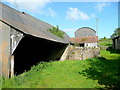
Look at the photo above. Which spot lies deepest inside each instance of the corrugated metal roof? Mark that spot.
(28, 24)
(92, 39)
(115, 37)
(85, 28)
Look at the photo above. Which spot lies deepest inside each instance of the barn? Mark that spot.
(85, 41)
(85, 37)
(25, 41)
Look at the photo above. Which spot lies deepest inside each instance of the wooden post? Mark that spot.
(12, 66)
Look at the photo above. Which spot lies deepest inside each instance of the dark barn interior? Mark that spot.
(32, 50)
(82, 44)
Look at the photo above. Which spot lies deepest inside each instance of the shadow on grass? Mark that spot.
(105, 71)
(113, 50)
(109, 45)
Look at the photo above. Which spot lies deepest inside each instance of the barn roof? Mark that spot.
(86, 27)
(115, 37)
(92, 39)
(28, 24)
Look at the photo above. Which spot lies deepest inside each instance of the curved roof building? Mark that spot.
(85, 32)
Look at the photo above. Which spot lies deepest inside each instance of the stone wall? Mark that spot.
(81, 53)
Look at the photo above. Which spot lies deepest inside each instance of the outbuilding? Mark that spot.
(116, 42)
(85, 41)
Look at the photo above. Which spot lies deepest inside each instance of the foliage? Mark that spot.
(83, 40)
(116, 32)
(56, 31)
(104, 38)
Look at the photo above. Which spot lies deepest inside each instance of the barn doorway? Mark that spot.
(82, 44)
(32, 50)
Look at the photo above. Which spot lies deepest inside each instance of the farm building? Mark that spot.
(85, 41)
(116, 42)
(85, 32)
(85, 37)
(25, 41)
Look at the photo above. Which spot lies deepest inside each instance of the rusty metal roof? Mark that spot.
(28, 24)
(92, 39)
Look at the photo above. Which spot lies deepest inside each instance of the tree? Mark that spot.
(104, 37)
(116, 32)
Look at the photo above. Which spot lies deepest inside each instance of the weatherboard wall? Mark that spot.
(5, 49)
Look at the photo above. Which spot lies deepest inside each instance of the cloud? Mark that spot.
(51, 12)
(66, 0)
(26, 0)
(93, 15)
(100, 6)
(32, 6)
(76, 14)
(28, 5)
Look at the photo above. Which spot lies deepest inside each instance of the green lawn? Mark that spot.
(91, 73)
(105, 42)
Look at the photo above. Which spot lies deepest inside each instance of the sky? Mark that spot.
(70, 16)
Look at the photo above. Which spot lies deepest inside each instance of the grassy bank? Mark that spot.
(91, 73)
(105, 42)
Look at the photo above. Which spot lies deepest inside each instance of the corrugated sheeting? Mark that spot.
(92, 39)
(87, 28)
(28, 24)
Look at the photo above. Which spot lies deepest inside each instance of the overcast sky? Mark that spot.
(70, 16)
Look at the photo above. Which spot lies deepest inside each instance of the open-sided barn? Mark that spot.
(24, 41)
(116, 42)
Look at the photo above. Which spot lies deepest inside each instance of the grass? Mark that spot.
(102, 72)
(105, 42)
(91, 73)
